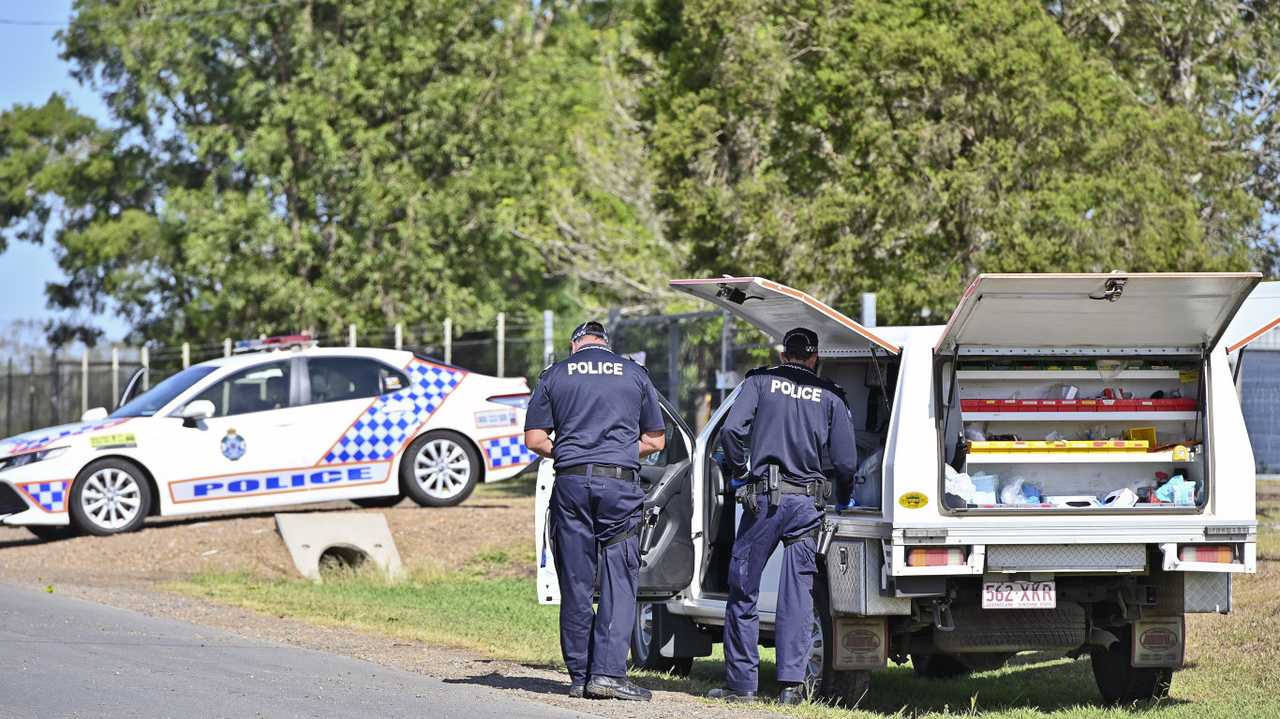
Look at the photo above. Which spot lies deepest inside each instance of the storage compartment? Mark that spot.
(1075, 433)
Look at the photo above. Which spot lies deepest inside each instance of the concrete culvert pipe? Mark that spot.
(341, 558)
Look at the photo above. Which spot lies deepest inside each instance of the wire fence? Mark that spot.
(695, 359)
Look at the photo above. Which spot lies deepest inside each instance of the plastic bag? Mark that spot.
(1177, 491)
(960, 485)
(973, 434)
(1019, 491)
(1121, 498)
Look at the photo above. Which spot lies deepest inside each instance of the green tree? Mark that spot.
(903, 147)
(312, 163)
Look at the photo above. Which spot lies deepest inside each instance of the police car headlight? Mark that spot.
(22, 460)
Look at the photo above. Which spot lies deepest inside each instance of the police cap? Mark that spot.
(590, 327)
(800, 343)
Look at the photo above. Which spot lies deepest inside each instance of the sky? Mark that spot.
(33, 72)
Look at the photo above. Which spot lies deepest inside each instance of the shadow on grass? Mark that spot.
(1035, 682)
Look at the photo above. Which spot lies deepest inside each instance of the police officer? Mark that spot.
(604, 412)
(785, 419)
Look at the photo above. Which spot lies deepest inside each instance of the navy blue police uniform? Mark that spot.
(785, 419)
(598, 404)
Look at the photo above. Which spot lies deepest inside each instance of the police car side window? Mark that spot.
(254, 389)
(334, 379)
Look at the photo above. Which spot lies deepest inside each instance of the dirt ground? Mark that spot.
(170, 549)
(128, 570)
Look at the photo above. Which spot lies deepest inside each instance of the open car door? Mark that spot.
(666, 536)
(1184, 313)
(774, 308)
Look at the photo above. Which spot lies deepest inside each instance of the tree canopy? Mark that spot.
(275, 167)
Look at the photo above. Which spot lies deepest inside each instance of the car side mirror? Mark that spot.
(197, 410)
(95, 414)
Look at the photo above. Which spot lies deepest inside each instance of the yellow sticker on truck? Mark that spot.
(913, 500)
(113, 441)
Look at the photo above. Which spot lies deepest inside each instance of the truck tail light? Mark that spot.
(1212, 553)
(936, 557)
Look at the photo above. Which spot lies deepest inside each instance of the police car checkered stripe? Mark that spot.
(30, 444)
(49, 496)
(508, 452)
(382, 430)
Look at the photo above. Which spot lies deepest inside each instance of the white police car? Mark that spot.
(284, 423)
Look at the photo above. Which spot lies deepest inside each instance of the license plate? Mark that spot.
(1019, 595)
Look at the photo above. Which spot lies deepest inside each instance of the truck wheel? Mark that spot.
(846, 688)
(645, 644)
(110, 496)
(440, 469)
(1120, 683)
(938, 666)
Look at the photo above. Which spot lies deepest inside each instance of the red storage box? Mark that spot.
(1068, 405)
(1028, 405)
(1109, 405)
(970, 405)
(1088, 405)
(1049, 405)
(1146, 405)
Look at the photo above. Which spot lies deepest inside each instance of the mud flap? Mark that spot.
(1159, 642)
(861, 643)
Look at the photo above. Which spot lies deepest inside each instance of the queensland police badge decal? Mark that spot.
(233, 445)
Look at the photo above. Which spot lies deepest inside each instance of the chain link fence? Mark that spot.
(693, 358)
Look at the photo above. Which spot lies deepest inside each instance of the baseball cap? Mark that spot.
(800, 342)
(590, 327)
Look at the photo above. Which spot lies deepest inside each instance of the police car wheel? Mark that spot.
(110, 496)
(440, 469)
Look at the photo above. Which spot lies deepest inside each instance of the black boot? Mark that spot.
(616, 688)
(792, 694)
(732, 696)
(575, 690)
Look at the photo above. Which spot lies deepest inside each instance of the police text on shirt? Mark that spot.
(611, 368)
(813, 394)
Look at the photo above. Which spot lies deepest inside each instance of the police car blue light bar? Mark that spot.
(273, 343)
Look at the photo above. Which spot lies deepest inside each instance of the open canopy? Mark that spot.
(1259, 314)
(1171, 311)
(775, 308)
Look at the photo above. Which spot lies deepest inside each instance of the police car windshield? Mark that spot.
(150, 402)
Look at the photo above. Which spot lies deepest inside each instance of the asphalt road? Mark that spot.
(64, 657)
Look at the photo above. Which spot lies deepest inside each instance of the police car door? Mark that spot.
(666, 560)
(237, 458)
(772, 308)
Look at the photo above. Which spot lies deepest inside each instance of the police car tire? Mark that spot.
(1122, 684)
(81, 521)
(410, 485)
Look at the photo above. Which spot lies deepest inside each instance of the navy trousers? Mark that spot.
(759, 535)
(586, 513)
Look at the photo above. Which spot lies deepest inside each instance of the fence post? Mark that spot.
(726, 351)
(31, 396)
(399, 336)
(146, 368)
(548, 332)
(502, 344)
(8, 401)
(186, 355)
(226, 346)
(448, 340)
(84, 381)
(115, 373)
(868, 309)
(673, 364)
(351, 335)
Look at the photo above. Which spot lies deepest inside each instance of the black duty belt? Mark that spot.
(807, 489)
(599, 470)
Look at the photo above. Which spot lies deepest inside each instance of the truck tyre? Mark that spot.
(440, 469)
(843, 688)
(645, 644)
(938, 666)
(1120, 683)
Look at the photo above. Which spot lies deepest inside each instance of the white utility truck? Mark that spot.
(1062, 467)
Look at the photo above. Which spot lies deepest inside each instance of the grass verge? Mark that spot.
(1232, 672)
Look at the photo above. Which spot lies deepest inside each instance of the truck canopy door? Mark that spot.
(774, 308)
(1259, 314)
(1184, 313)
